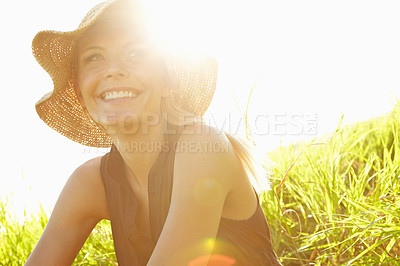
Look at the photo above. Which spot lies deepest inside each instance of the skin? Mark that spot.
(205, 184)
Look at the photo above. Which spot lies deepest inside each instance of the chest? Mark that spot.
(142, 217)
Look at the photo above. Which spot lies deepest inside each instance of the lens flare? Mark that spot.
(213, 260)
(220, 248)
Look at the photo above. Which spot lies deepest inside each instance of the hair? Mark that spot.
(251, 162)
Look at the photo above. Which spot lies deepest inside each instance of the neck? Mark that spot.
(139, 152)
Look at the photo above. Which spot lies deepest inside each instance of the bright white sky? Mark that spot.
(315, 60)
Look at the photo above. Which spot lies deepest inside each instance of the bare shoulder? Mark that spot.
(88, 174)
(87, 185)
(204, 139)
(80, 206)
(206, 155)
(202, 147)
(89, 171)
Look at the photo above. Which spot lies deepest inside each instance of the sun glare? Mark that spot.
(230, 31)
(207, 26)
(184, 24)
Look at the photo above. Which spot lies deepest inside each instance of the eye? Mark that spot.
(132, 54)
(136, 54)
(93, 57)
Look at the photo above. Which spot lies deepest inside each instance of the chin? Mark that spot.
(129, 123)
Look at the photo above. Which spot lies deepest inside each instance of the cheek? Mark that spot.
(87, 76)
(85, 84)
(159, 79)
(84, 91)
(151, 71)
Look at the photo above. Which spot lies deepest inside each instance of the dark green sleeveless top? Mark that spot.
(247, 242)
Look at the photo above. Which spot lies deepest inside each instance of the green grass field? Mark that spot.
(334, 201)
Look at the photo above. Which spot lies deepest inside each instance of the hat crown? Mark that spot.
(91, 15)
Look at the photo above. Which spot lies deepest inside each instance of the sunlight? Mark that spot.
(317, 61)
(232, 32)
(213, 260)
(217, 28)
(218, 247)
(182, 24)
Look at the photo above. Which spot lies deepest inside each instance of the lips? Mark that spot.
(120, 93)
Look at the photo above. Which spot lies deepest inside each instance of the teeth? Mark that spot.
(119, 94)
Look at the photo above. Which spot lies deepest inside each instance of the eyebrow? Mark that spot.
(93, 47)
(137, 43)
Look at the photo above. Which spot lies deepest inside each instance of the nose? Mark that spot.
(115, 71)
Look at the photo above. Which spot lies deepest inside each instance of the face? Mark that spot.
(121, 79)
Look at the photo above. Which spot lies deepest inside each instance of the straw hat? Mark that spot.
(193, 81)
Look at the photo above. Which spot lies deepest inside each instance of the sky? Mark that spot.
(308, 62)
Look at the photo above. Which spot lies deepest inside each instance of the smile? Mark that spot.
(111, 95)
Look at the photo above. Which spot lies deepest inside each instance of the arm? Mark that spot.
(80, 206)
(201, 182)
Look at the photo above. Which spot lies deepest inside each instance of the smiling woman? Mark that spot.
(114, 86)
(120, 73)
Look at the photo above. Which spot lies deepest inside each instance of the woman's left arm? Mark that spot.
(203, 177)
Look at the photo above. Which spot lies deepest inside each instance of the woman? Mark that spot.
(164, 185)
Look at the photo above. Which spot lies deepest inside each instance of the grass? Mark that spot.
(17, 239)
(334, 201)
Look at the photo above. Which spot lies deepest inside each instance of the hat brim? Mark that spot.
(194, 82)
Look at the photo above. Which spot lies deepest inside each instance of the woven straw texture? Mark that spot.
(193, 80)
